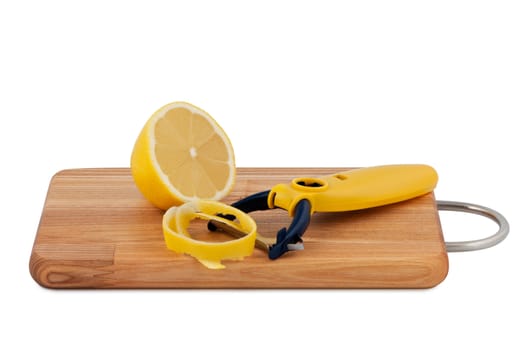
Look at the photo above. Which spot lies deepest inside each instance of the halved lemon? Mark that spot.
(182, 154)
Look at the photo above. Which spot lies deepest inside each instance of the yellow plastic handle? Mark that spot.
(356, 189)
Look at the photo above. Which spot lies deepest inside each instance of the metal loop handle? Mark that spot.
(478, 244)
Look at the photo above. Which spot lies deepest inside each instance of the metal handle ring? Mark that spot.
(478, 244)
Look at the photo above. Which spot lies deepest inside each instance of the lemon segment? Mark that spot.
(182, 154)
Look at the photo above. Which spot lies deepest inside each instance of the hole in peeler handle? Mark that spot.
(309, 184)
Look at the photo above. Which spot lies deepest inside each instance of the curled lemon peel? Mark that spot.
(177, 238)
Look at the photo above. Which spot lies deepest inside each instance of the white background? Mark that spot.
(293, 84)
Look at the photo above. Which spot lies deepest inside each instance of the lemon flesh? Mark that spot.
(182, 154)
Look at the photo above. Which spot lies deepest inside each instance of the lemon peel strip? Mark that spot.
(210, 254)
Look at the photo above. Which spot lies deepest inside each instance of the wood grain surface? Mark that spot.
(97, 231)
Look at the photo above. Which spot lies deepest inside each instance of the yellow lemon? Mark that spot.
(182, 154)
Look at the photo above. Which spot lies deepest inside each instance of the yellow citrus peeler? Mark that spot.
(344, 191)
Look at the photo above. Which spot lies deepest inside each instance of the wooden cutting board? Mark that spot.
(97, 231)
